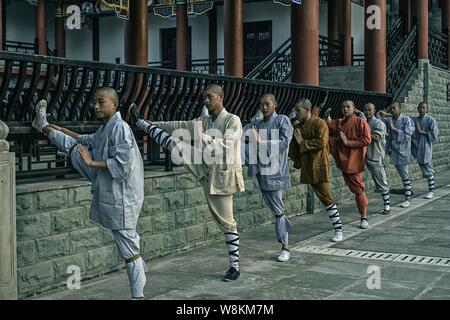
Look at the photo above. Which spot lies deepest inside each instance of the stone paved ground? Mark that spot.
(318, 269)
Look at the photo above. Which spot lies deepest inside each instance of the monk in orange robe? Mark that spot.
(351, 138)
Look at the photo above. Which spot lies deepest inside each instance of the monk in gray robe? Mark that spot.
(111, 161)
(422, 144)
(268, 140)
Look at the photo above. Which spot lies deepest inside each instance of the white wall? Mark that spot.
(111, 39)
(21, 27)
(21, 22)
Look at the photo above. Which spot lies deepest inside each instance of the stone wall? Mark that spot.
(53, 229)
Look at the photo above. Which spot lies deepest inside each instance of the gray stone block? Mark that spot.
(164, 222)
(186, 181)
(54, 246)
(151, 246)
(25, 204)
(102, 260)
(60, 267)
(194, 198)
(68, 219)
(83, 240)
(246, 220)
(186, 217)
(203, 214)
(254, 202)
(107, 236)
(26, 253)
(145, 225)
(262, 216)
(52, 199)
(163, 184)
(148, 186)
(33, 226)
(195, 233)
(239, 206)
(173, 201)
(80, 195)
(212, 231)
(152, 205)
(35, 277)
(175, 239)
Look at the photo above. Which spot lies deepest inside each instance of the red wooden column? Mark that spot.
(234, 38)
(182, 37)
(136, 34)
(2, 24)
(345, 28)
(305, 42)
(375, 50)
(405, 12)
(41, 28)
(60, 32)
(420, 11)
(212, 19)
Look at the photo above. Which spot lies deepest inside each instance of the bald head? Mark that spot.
(111, 93)
(369, 110)
(214, 88)
(348, 108)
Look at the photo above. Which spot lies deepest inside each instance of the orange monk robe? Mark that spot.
(350, 158)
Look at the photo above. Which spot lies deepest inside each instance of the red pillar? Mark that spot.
(420, 10)
(2, 24)
(375, 51)
(212, 18)
(333, 24)
(233, 38)
(405, 12)
(345, 28)
(41, 28)
(182, 37)
(136, 34)
(305, 42)
(60, 32)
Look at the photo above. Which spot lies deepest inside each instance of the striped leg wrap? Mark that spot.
(431, 185)
(408, 189)
(160, 136)
(232, 241)
(333, 214)
(386, 198)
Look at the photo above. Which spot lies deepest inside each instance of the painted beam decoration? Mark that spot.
(287, 2)
(167, 8)
(120, 7)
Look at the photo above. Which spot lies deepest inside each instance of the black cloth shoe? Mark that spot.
(134, 114)
(231, 275)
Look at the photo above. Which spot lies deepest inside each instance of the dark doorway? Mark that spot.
(257, 43)
(169, 47)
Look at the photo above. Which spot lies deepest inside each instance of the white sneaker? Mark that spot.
(338, 236)
(284, 256)
(364, 224)
(429, 195)
(40, 122)
(405, 204)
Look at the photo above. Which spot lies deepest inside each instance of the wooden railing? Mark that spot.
(70, 85)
